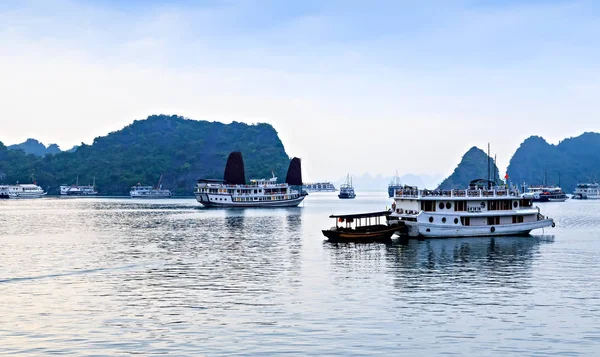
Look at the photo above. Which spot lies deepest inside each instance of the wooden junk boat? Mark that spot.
(361, 227)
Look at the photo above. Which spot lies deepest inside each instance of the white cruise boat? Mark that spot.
(545, 194)
(21, 191)
(587, 191)
(319, 187)
(77, 190)
(234, 192)
(479, 210)
(140, 191)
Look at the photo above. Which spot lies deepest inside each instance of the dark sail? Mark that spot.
(234, 170)
(294, 174)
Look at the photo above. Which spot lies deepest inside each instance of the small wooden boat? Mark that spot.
(361, 227)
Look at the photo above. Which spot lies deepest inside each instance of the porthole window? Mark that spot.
(443, 219)
(448, 205)
(455, 220)
(515, 204)
(430, 219)
(441, 205)
(482, 204)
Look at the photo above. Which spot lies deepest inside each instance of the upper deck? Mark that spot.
(466, 194)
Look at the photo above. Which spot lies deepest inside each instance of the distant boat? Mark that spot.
(140, 191)
(346, 189)
(77, 190)
(394, 185)
(545, 194)
(319, 187)
(585, 191)
(21, 191)
(233, 191)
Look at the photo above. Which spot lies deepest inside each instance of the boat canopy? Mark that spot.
(362, 215)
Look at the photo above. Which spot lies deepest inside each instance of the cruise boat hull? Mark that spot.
(227, 201)
(426, 230)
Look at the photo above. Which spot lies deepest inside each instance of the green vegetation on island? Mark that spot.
(572, 161)
(474, 165)
(180, 149)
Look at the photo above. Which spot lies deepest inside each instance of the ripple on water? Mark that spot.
(119, 276)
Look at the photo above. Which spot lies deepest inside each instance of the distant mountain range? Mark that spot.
(34, 147)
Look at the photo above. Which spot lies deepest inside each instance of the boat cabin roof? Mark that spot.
(211, 181)
(361, 215)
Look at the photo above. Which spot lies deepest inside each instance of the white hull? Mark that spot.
(22, 196)
(150, 196)
(428, 230)
(227, 201)
(590, 197)
(557, 199)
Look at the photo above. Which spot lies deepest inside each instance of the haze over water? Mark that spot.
(166, 277)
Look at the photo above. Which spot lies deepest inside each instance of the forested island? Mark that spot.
(473, 165)
(181, 150)
(536, 162)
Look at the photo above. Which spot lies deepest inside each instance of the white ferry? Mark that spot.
(319, 187)
(76, 190)
(587, 191)
(234, 192)
(480, 210)
(140, 191)
(545, 194)
(21, 191)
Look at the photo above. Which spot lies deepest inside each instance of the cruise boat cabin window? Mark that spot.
(525, 203)
(517, 219)
(460, 206)
(466, 221)
(493, 220)
(428, 206)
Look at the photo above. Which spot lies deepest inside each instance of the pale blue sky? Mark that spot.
(351, 86)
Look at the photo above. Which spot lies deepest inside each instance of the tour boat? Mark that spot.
(76, 190)
(545, 194)
(346, 189)
(233, 191)
(482, 209)
(21, 191)
(587, 191)
(362, 227)
(140, 191)
(319, 187)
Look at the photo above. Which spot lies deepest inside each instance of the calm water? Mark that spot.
(119, 276)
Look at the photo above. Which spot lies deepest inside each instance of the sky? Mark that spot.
(350, 86)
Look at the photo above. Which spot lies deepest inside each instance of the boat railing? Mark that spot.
(457, 193)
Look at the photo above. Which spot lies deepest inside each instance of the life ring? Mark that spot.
(553, 224)
(493, 229)
(482, 204)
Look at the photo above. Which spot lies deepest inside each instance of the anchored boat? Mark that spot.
(233, 191)
(346, 189)
(21, 191)
(362, 227)
(482, 209)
